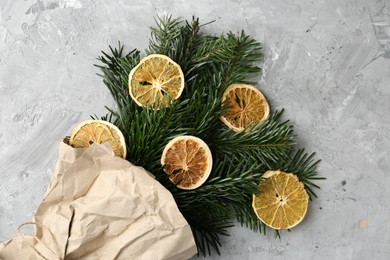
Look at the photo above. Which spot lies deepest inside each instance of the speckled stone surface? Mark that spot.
(326, 63)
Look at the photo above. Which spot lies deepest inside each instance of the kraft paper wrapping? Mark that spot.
(98, 206)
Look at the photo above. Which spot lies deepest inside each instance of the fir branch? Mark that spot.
(180, 41)
(247, 217)
(304, 166)
(235, 57)
(209, 227)
(166, 31)
(267, 144)
(224, 196)
(210, 64)
(208, 216)
(116, 67)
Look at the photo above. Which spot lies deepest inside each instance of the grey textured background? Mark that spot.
(325, 62)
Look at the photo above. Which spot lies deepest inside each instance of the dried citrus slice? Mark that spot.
(156, 81)
(187, 159)
(244, 105)
(282, 201)
(98, 131)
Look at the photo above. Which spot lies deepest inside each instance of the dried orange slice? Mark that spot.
(98, 131)
(156, 81)
(244, 105)
(187, 159)
(282, 202)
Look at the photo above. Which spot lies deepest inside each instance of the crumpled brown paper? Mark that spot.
(98, 206)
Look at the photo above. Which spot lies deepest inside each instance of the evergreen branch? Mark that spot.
(209, 228)
(237, 58)
(166, 31)
(208, 216)
(266, 144)
(247, 217)
(115, 73)
(209, 64)
(223, 196)
(305, 167)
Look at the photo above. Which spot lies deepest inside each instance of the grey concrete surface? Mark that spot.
(325, 63)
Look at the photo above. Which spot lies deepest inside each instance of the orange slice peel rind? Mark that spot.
(156, 81)
(245, 106)
(282, 201)
(98, 131)
(188, 161)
